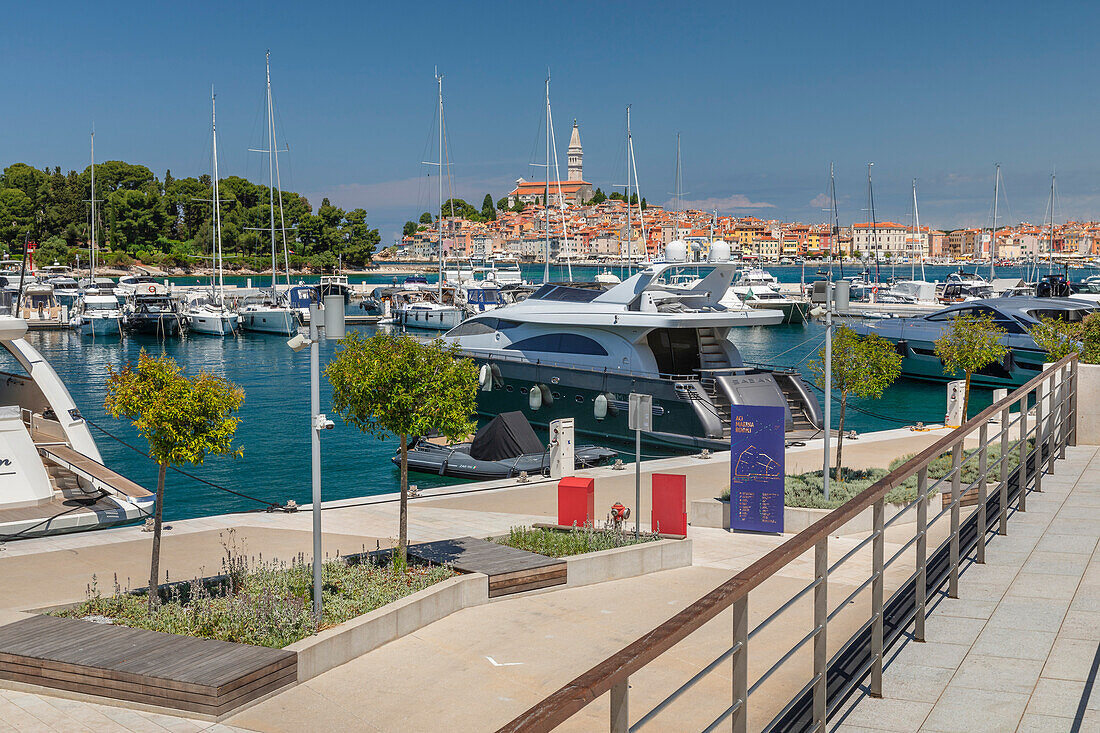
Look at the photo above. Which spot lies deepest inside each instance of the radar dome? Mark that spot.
(676, 251)
(719, 251)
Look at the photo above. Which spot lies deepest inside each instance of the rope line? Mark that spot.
(271, 506)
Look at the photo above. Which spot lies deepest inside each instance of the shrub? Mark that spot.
(266, 604)
(577, 541)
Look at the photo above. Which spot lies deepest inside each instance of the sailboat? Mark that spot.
(98, 312)
(207, 314)
(418, 310)
(913, 290)
(271, 313)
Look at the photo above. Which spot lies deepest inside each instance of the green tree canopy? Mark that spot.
(426, 218)
(971, 342)
(502, 203)
(387, 384)
(598, 197)
(183, 419)
(863, 367)
(410, 228)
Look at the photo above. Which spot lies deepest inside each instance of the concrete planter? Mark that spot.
(716, 513)
(627, 562)
(1088, 393)
(339, 644)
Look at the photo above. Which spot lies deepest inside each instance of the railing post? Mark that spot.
(1006, 417)
(922, 552)
(740, 718)
(1063, 410)
(956, 485)
(1073, 369)
(620, 694)
(1022, 500)
(821, 620)
(983, 468)
(878, 546)
(1054, 419)
(1040, 396)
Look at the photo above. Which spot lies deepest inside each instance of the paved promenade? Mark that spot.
(1019, 649)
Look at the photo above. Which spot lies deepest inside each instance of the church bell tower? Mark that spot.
(576, 155)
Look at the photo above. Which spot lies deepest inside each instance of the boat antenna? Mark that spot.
(629, 226)
(1050, 241)
(92, 258)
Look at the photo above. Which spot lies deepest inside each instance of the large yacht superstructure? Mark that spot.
(578, 352)
(53, 478)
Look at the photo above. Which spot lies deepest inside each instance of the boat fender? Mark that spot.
(485, 378)
(599, 407)
(547, 395)
(534, 397)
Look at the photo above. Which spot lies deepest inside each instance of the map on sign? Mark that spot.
(757, 449)
(751, 463)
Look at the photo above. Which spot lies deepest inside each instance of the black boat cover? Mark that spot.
(505, 436)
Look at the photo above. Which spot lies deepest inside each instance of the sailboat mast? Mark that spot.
(546, 196)
(439, 84)
(1050, 242)
(92, 258)
(679, 194)
(271, 168)
(916, 222)
(993, 236)
(217, 203)
(834, 240)
(874, 223)
(629, 227)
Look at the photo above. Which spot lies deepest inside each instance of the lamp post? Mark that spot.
(333, 324)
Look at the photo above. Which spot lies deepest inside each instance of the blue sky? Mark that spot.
(765, 96)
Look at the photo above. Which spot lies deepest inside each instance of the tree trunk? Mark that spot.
(403, 521)
(966, 396)
(840, 435)
(154, 566)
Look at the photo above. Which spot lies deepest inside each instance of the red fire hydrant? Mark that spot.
(619, 514)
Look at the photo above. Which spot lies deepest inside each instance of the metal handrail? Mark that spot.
(612, 673)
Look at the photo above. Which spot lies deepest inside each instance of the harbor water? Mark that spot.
(274, 420)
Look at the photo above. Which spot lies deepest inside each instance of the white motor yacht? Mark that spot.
(54, 479)
(207, 314)
(39, 307)
(579, 352)
(98, 315)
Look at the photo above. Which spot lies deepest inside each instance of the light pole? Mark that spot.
(333, 325)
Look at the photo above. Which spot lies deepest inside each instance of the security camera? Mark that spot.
(298, 343)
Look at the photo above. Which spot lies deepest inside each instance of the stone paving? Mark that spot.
(1019, 650)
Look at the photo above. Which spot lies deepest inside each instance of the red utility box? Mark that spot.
(576, 501)
(669, 503)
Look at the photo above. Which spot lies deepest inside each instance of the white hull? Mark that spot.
(281, 321)
(437, 319)
(212, 324)
(106, 327)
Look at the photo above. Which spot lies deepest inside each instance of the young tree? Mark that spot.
(184, 419)
(386, 384)
(864, 367)
(1056, 337)
(971, 342)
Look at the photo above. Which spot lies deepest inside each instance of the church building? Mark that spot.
(576, 191)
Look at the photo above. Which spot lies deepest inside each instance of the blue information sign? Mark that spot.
(756, 468)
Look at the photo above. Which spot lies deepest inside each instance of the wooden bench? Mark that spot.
(510, 570)
(202, 676)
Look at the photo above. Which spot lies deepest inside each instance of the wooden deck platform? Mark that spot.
(202, 676)
(94, 471)
(509, 570)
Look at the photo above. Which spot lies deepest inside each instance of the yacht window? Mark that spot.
(1070, 315)
(675, 349)
(948, 315)
(560, 343)
(476, 326)
(565, 293)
